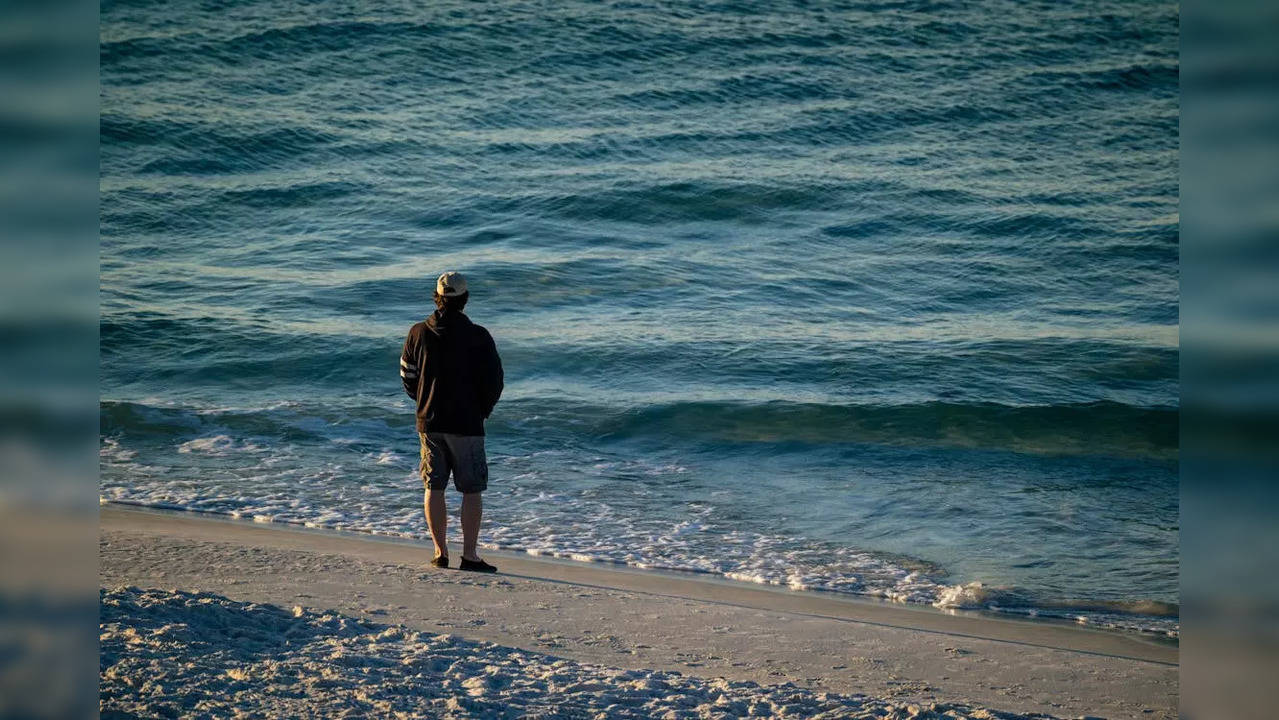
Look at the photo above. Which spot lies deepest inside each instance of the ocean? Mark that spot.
(875, 298)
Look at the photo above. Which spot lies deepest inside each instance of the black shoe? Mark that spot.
(440, 561)
(476, 566)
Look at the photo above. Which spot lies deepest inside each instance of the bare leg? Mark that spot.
(472, 510)
(437, 519)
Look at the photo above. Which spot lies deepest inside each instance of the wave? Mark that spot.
(625, 345)
(659, 203)
(294, 195)
(280, 42)
(977, 595)
(1139, 78)
(1103, 429)
(1153, 617)
(1100, 428)
(1044, 397)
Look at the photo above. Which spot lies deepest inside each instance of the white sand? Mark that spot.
(171, 654)
(361, 627)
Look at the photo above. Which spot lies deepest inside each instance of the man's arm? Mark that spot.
(493, 375)
(409, 366)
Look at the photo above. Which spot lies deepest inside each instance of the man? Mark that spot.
(451, 369)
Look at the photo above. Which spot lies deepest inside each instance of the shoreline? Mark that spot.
(682, 583)
(660, 621)
(1049, 616)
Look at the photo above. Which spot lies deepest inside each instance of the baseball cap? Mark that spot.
(451, 284)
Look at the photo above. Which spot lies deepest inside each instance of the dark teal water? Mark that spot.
(879, 298)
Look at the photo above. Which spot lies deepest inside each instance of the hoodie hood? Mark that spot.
(440, 321)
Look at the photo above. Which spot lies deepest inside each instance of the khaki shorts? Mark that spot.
(463, 455)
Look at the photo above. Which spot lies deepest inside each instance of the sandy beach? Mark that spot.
(203, 616)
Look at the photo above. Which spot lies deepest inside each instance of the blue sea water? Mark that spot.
(870, 297)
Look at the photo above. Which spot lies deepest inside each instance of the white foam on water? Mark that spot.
(961, 596)
(112, 451)
(386, 457)
(218, 445)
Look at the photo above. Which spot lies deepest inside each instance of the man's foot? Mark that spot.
(441, 561)
(476, 566)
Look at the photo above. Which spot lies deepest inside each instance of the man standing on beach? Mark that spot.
(451, 370)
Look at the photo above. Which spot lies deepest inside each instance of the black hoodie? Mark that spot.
(451, 369)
